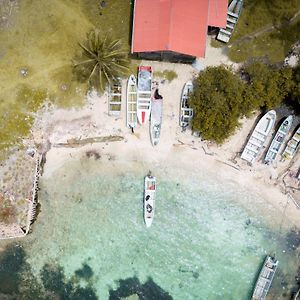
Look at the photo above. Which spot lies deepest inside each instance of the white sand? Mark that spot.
(93, 121)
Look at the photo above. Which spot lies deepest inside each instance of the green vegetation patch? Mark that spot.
(266, 29)
(166, 74)
(43, 39)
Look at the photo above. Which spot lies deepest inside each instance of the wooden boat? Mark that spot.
(265, 278)
(156, 118)
(144, 94)
(279, 139)
(114, 98)
(131, 117)
(149, 199)
(292, 145)
(259, 136)
(186, 112)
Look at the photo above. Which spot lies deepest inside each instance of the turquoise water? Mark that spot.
(203, 243)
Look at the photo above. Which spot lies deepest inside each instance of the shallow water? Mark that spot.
(203, 244)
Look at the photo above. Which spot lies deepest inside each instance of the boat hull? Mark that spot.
(131, 109)
(144, 94)
(149, 199)
(259, 137)
(156, 120)
(278, 140)
(186, 113)
(292, 145)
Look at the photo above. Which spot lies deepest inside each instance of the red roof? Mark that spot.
(175, 25)
(217, 15)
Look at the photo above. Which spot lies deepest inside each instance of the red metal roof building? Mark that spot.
(178, 26)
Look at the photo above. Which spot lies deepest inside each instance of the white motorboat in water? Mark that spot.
(131, 115)
(279, 139)
(186, 112)
(259, 136)
(156, 117)
(144, 94)
(149, 199)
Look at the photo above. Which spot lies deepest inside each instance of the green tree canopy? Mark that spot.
(295, 90)
(217, 102)
(103, 60)
(267, 86)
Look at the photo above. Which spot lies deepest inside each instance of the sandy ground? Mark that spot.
(174, 147)
(58, 125)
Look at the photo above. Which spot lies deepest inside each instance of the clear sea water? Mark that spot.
(208, 239)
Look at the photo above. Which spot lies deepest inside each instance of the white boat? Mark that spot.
(279, 139)
(149, 199)
(265, 278)
(186, 112)
(114, 98)
(292, 145)
(259, 136)
(144, 94)
(156, 118)
(131, 116)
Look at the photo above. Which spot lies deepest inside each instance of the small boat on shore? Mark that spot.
(279, 139)
(292, 145)
(131, 115)
(144, 93)
(259, 136)
(156, 118)
(149, 199)
(265, 278)
(114, 98)
(186, 112)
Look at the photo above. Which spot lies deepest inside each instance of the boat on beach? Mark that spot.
(186, 112)
(144, 93)
(265, 278)
(131, 115)
(156, 117)
(149, 199)
(279, 139)
(292, 145)
(259, 136)
(114, 98)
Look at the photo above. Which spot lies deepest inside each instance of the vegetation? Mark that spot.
(267, 86)
(217, 102)
(266, 29)
(103, 60)
(169, 75)
(43, 37)
(220, 97)
(295, 90)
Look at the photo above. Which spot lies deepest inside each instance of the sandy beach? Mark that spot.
(58, 126)
(177, 148)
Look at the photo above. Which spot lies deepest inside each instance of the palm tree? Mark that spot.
(103, 60)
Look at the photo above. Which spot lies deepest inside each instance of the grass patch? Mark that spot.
(166, 74)
(272, 45)
(44, 40)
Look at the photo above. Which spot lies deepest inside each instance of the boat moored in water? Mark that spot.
(186, 112)
(149, 199)
(279, 139)
(156, 117)
(144, 93)
(131, 115)
(259, 136)
(265, 278)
